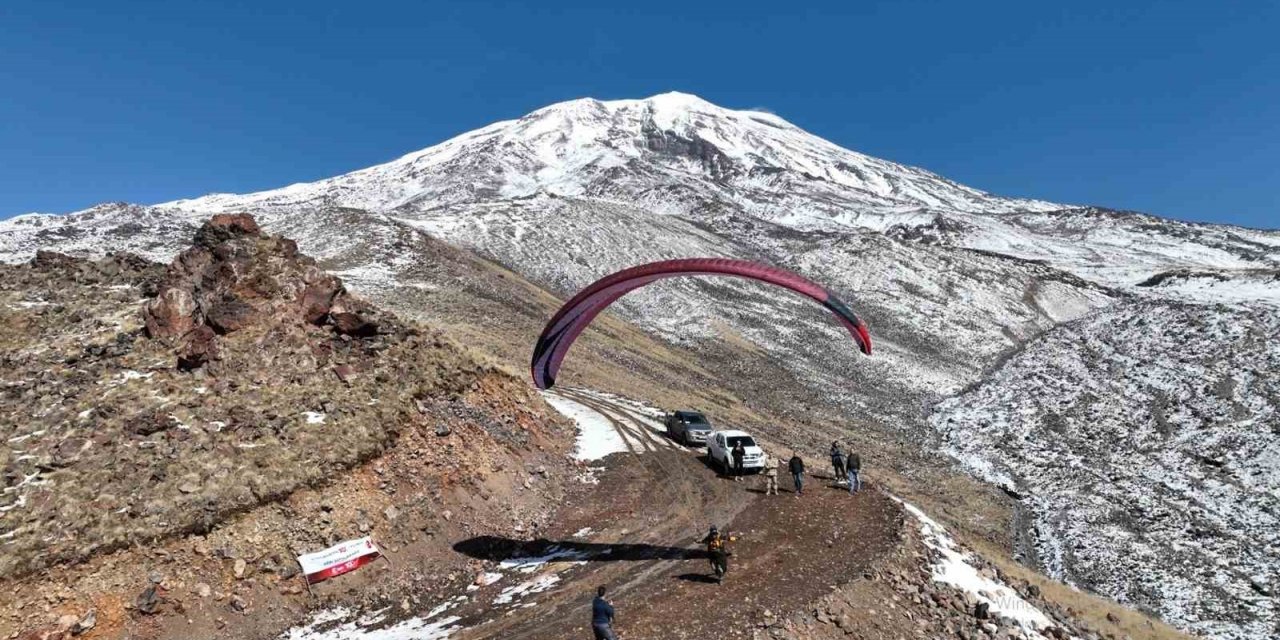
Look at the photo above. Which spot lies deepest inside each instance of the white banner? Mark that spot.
(338, 559)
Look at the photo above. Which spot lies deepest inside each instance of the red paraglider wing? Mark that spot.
(579, 311)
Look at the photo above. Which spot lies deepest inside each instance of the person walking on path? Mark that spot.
(796, 466)
(837, 461)
(771, 475)
(854, 467)
(738, 453)
(602, 617)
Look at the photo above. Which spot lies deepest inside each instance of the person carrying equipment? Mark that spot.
(796, 466)
(837, 461)
(718, 551)
(602, 617)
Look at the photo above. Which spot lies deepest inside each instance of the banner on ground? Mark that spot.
(338, 559)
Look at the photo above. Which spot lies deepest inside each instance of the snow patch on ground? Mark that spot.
(596, 436)
(327, 625)
(953, 568)
(528, 587)
(530, 564)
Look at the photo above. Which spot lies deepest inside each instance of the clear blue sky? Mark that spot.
(1166, 107)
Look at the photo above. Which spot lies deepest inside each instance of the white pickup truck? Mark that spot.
(720, 445)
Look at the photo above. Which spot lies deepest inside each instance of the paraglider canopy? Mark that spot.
(580, 310)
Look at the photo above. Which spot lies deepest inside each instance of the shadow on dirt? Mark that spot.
(497, 548)
(715, 466)
(781, 490)
(701, 578)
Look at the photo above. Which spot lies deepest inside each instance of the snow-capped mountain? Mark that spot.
(954, 282)
(672, 153)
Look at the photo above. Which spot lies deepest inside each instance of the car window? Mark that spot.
(745, 440)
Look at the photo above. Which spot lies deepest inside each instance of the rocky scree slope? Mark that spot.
(1144, 442)
(141, 402)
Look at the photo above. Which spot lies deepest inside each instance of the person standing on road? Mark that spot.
(771, 475)
(602, 617)
(796, 466)
(837, 461)
(717, 552)
(854, 465)
(738, 453)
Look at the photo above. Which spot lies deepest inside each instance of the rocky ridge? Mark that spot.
(140, 406)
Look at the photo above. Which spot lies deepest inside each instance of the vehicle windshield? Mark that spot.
(745, 440)
(692, 418)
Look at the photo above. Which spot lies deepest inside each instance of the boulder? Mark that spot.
(199, 347)
(229, 314)
(170, 314)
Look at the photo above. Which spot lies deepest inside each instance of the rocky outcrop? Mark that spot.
(141, 402)
(235, 277)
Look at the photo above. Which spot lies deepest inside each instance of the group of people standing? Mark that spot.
(847, 470)
(847, 467)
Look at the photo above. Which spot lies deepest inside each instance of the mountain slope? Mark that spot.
(1146, 440)
(952, 280)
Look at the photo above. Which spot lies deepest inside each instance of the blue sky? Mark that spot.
(1166, 107)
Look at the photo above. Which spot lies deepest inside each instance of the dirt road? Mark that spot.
(637, 532)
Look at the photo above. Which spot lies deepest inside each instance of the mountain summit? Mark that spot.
(672, 150)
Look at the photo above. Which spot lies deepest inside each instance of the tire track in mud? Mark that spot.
(623, 419)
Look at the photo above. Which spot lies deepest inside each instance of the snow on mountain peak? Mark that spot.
(673, 151)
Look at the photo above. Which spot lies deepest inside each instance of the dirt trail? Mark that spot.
(637, 531)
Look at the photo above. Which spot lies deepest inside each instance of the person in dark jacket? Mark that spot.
(837, 461)
(717, 552)
(796, 466)
(602, 617)
(738, 452)
(854, 468)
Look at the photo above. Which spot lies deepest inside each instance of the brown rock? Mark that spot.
(199, 347)
(229, 314)
(345, 373)
(150, 422)
(354, 324)
(317, 299)
(170, 314)
(226, 226)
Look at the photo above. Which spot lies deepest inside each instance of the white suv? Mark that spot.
(720, 450)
